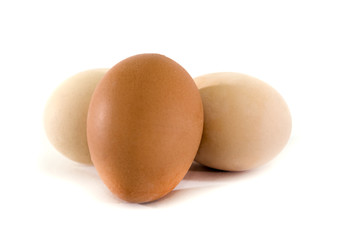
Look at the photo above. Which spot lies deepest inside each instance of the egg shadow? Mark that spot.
(54, 164)
(201, 173)
(198, 180)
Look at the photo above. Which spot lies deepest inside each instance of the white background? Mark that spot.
(310, 51)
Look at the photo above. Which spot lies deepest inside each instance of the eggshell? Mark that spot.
(65, 114)
(144, 127)
(247, 122)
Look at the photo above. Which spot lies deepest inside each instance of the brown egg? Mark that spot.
(144, 127)
(247, 122)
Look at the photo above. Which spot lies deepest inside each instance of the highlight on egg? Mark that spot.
(144, 127)
(144, 121)
(247, 122)
(65, 114)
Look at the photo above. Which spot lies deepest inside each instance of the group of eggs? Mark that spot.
(144, 121)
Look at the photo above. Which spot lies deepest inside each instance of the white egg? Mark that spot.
(65, 115)
(246, 123)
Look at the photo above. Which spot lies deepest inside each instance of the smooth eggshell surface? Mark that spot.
(65, 115)
(247, 122)
(144, 127)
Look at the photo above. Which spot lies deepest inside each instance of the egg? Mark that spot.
(144, 127)
(65, 114)
(247, 122)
